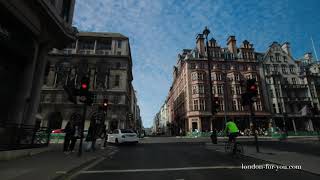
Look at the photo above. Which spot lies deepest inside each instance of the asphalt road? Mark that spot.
(178, 161)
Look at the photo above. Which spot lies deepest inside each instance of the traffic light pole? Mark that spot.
(252, 119)
(82, 128)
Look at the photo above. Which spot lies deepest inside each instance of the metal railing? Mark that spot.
(20, 136)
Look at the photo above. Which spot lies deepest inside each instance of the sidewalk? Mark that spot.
(49, 165)
(308, 162)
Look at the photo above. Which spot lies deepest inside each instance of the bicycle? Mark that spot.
(229, 148)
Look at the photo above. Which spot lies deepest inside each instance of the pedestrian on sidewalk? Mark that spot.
(69, 136)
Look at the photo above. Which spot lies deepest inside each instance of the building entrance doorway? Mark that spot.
(194, 126)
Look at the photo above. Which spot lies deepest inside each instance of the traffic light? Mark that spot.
(252, 87)
(84, 88)
(130, 116)
(105, 105)
(251, 93)
(216, 104)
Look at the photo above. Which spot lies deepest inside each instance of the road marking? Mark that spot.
(159, 170)
(61, 172)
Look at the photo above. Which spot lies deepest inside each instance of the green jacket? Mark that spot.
(231, 127)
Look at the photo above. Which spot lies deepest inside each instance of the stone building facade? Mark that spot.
(106, 59)
(188, 105)
(288, 89)
(28, 30)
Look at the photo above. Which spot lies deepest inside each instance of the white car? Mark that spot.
(123, 136)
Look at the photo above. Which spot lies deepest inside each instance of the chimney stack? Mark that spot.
(286, 48)
(231, 43)
(200, 45)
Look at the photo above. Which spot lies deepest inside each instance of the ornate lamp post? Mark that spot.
(206, 32)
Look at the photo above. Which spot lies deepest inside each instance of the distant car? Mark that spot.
(123, 136)
(57, 131)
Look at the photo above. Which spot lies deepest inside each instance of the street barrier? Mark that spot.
(57, 138)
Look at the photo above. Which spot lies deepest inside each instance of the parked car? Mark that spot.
(57, 131)
(123, 136)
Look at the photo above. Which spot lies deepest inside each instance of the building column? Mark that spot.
(51, 75)
(294, 126)
(22, 101)
(37, 82)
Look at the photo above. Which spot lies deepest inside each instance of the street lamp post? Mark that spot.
(206, 32)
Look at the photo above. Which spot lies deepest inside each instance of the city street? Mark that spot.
(179, 161)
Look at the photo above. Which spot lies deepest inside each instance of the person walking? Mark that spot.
(69, 133)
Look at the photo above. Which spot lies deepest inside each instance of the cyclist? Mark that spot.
(232, 131)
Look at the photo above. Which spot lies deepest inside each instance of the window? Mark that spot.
(312, 92)
(118, 65)
(194, 76)
(267, 68)
(280, 109)
(192, 65)
(274, 108)
(245, 67)
(202, 104)
(294, 81)
(116, 99)
(271, 58)
(86, 44)
(219, 89)
(201, 89)
(292, 69)
(284, 69)
(119, 53)
(117, 81)
(238, 92)
(218, 76)
(259, 108)
(271, 93)
(277, 92)
(285, 58)
(237, 77)
(277, 57)
(254, 68)
(194, 89)
(276, 68)
(200, 76)
(221, 105)
(195, 105)
(200, 66)
(119, 44)
(234, 105)
(104, 45)
(232, 91)
(244, 54)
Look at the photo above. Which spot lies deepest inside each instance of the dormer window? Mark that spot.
(271, 58)
(284, 58)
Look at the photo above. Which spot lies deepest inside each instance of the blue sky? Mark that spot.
(159, 29)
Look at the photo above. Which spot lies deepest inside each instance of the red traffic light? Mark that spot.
(84, 86)
(253, 88)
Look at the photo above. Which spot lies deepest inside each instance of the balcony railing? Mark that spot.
(297, 99)
(295, 86)
(86, 51)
